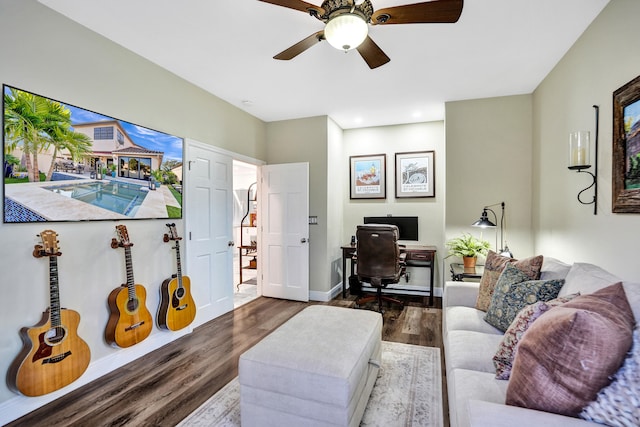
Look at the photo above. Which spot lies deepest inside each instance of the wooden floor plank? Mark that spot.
(164, 386)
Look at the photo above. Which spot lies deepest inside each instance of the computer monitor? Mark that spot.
(407, 225)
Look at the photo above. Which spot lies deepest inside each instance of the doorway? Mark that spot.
(245, 233)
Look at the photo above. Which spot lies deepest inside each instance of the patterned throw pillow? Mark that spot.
(618, 405)
(503, 359)
(513, 291)
(570, 353)
(493, 267)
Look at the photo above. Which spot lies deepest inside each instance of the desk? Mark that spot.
(459, 272)
(416, 256)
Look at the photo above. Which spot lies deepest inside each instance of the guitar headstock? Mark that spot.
(123, 238)
(173, 233)
(49, 244)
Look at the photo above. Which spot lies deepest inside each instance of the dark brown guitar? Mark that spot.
(130, 321)
(177, 308)
(53, 354)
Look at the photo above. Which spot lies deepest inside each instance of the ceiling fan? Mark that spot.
(347, 22)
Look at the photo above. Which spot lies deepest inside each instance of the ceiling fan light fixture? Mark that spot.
(346, 31)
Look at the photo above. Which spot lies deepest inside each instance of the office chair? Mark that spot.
(378, 260)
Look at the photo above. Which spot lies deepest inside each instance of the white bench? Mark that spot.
(317, 369)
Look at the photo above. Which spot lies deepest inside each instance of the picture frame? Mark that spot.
(368, 176)
(626, 148)
(415, 174)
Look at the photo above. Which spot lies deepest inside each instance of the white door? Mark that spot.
(208, 223)
(284, 231)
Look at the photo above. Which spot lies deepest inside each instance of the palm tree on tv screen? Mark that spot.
(35, 124)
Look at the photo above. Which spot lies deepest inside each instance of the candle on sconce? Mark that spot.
(579, 149)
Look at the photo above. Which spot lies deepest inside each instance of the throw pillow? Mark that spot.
(513, 291)
(493, 267)
(618, 405)
(570, 352)
(503, 359)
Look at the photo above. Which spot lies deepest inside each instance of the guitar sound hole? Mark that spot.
(132, 305)
(180, 292)
(55, 335)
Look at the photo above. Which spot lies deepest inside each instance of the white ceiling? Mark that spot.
(497, 48)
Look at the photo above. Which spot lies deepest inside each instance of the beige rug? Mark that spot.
(408, 392)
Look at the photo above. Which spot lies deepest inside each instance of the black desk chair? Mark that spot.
(379, 260)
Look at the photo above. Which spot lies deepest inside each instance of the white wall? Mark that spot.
(35, 46)
(391, 140)
(305, 140)
(489, 161)
(335, 207)
(602, 60)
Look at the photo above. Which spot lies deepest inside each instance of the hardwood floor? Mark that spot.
(163, 387)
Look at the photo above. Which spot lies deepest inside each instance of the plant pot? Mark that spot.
(469, 261)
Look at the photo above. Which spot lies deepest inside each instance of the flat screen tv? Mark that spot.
(407, 225)
(65, 163)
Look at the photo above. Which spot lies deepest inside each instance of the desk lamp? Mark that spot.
(484, 222)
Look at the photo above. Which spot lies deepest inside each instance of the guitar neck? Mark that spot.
(54, 292)
(178, 263)
(131, 284)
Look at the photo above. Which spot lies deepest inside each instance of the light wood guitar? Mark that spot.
(177, 308)
(130, 321)
(53, 355)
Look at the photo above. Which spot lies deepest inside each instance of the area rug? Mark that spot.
(408, 392)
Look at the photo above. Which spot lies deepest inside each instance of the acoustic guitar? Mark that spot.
(130, 321)
(177, 308)
(53, 355)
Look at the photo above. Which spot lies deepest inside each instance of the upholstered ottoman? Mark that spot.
(317, 369)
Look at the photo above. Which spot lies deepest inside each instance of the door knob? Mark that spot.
(231, 243)
(303, 240)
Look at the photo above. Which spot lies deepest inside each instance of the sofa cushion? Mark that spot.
(493, 267)
(513, 291)
(467, 319)
(470, 350)
(618, 404)
(503, 358)
(568, 354)
(586, 278)
(553, 269)
(464, 385)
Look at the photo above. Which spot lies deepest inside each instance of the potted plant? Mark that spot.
(113, 169)
(158, 176)
(468, 247)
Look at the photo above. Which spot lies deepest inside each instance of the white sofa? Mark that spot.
(476, 397)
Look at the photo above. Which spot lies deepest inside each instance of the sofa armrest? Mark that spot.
(460, 294)
(488, 414)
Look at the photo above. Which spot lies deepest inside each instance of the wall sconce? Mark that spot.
(484, 222)
(579, 149)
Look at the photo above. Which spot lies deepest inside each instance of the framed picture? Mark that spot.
(368, 176)
(415, 174)
(626, 148)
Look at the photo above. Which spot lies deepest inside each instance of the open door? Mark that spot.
(209, 241)
(284, 231)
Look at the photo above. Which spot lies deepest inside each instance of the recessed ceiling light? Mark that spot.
(247, 103)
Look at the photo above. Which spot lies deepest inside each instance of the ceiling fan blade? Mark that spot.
(372, 54)
(436, 11)
(300, 5)
(301, 46)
